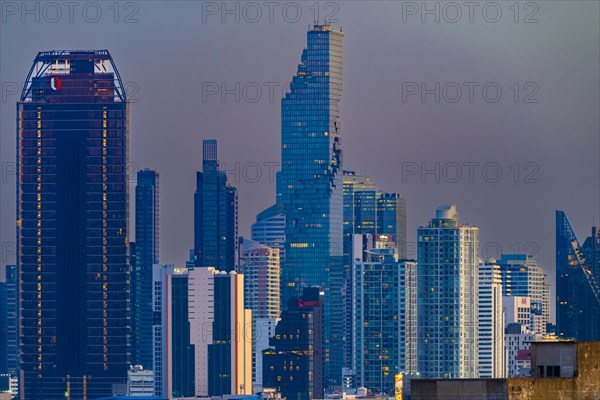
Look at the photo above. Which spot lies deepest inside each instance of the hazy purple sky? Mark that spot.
(175, 52)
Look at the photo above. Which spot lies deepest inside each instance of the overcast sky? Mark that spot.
(541, 133)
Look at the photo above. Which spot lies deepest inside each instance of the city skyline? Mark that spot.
(341, 283)
(541, 145)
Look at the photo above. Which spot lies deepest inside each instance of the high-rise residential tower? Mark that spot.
(146, 255)
(172, 346)
(367, 211)
(391, 219)
(262, 278)
(309, 185)
(384, 313)
(221, 333)
(230, 352)
(215, 214)
(72, 226)
(491, 321)
(262, 293)
(577, 284)
(447, 285)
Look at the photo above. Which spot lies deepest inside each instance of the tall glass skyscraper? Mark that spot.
(309, 185)
(367, 210)
(215, 214)
(72, 226)
(146, 255)
(577, 285)
(383, 319)
(447, 287)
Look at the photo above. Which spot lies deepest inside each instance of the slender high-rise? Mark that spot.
(447, 287)
(230, 352)
(309, 185)
(577, 284)
(215, 214)
(146, 255)
(491, 321)
(72, 226)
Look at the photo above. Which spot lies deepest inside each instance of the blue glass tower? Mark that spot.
(72, 226)
(215, 214)
(447, 306)
(577, 284)
(309, 185)
(146, 255)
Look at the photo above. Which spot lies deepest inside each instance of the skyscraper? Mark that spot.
(384, 307)
(294, 363)
(309, 185)
(407, 270)
(522, 276)
(577, 285)
(262, 293)
(183, 361)
(201, 316)
(591, 252)
(172, 347)
(230, 353)
(391, 219)
(353, 183)
(269, 229)
(147, 254)
(491, 321)
(72, 226)
(162, 329)
(447, 285)
(262, 279)
(215, 214)
(367, 211)
(221, 332)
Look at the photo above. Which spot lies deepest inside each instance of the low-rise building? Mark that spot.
(140, 381)
(559, 371)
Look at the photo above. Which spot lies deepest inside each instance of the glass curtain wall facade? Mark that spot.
(215, 214)
(72, 226)
(447, 286)
(146, 255)
(309, 185)
(577, 291)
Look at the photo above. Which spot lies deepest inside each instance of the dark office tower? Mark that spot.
(146, 255)
(230, 352)
(577, 291)
(215, 214)
(72, 226)
(391, 219)
(309, 185)
(294, 364)
(183, 351)
(8, 320)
